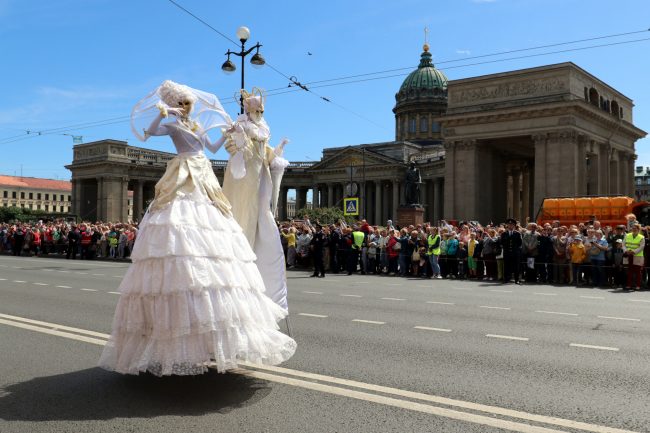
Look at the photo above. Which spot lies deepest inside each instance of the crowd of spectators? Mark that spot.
(85, 240)
(586, 254)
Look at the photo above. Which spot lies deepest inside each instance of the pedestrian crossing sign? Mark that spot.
(351, 206)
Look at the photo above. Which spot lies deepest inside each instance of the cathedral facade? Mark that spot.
(487, 148)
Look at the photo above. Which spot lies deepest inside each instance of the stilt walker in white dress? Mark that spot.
(193, 297)
(252, 184)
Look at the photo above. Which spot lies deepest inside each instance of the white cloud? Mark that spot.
(464, 52)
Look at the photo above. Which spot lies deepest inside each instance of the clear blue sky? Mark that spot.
(75, 61)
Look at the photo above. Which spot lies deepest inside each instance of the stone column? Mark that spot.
(76, 197)
(516, 193)
(385, 197)
(378, 218)
(450, 179)
(124, 198)
(438, 199)
(603, 169)
(99, 209)
(396, 188)
(315, 198)
(541, 166)
(281, 211)
(138, 199)
(525, 189)
(330, 195)
(622, 173)
(300, 198)
(630, 175)
(613, 174)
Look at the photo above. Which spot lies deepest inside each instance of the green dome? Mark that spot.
(426, 76)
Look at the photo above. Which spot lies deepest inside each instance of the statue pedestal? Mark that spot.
(412, 215)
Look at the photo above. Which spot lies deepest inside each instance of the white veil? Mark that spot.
(208, 112)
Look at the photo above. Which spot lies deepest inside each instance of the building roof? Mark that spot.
(426, 76)
(35, 183)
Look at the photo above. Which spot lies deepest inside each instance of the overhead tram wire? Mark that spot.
(31, 133)
(292, 80)
(486, 62)
(484, 56)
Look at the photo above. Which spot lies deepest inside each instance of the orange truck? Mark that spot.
(609, 210)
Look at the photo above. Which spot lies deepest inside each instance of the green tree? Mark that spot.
(324, 215)
(11, 213)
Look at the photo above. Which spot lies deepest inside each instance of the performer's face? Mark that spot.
(185, 106)
(255, 115)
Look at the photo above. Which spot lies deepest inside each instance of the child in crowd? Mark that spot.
(578, 255)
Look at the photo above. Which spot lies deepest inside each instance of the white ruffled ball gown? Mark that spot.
(193, 297)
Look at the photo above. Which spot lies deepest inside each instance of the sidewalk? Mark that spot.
(62, 256)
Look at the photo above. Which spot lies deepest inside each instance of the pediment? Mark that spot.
(354, 156)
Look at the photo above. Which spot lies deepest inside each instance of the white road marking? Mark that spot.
(99, 275)
(372, 322)
(351, 296)
(361, 282)
(82, 273)
(394, 284)
(500, 291)
(88, 290)
(426, 328)
(393, 299)
(619, 318)
(494, 308)
(3, 279)
(455, 414)
(312, 293)
(592, 297)
(65, 287)
(639, 300)
(312, 315)
(589, 346)
(556, 312)
(41, 284)
(65, 272)
(115, 293)
(507, 337)
(53, 326)
(19, 281)
(545, 294)
(47, 270)
(440, 303)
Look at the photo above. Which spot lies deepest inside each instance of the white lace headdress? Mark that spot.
(207, 112)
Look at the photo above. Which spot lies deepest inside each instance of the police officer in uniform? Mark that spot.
(511, 245)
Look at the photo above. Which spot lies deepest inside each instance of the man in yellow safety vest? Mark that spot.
(433, 251)
(634, 245)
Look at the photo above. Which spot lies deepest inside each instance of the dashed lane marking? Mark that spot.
(507, 337)
(500, 291)
(115, 293)
(3, 279)
(88, 290)
(639, 300)
(393, 299)
(619, 318)
(99, 275)
(312, 315)
(372, 322)
(326, 384)
(65, 272)
(559, 313)
(440, 303)
(427, 328)
(592, 297)
(494, 308)
(41, 284)
(545, 294)
(19, 281)
(82, 273)
(65, 287)
(589, 346)
(394, 284)
(312, 293)
(351, 296)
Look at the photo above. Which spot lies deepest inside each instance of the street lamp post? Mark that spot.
(243, 33)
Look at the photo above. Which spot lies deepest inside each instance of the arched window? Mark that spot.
(412, 125)
(424, 124)
(593, 96)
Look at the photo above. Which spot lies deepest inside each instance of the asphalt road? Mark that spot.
(392, 354)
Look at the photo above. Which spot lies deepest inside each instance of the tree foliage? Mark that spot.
(15, 213)
(324, 215)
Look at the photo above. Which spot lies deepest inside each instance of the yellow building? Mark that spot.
(35, 193)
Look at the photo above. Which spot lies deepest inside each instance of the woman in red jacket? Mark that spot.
(393, 249)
